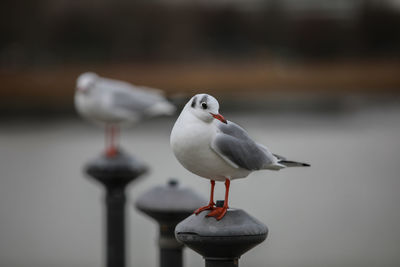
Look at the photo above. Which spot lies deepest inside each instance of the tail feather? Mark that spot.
(289, 163)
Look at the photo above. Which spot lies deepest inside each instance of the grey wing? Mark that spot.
(279, 157)
(132, 98)
(132, 102)
(235, 146)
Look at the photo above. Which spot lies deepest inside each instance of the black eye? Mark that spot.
(204, 105)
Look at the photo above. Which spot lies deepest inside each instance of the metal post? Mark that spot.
(115, 173)
(170, 249)
(169, 205)
(222, 263)
(115, 209)
(221, 243)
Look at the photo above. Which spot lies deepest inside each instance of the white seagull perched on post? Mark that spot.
(113, 102)
(209, 146)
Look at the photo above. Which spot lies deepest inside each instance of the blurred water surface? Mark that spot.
(343, 211)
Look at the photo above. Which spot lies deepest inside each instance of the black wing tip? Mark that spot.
(294, 163)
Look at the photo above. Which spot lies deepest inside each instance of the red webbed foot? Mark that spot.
(218, 212)
(210, 206)
(111, 152)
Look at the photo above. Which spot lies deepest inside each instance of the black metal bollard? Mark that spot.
(221, 243)
(115, 173)
(169, 205)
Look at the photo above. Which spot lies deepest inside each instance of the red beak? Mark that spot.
(219, 117)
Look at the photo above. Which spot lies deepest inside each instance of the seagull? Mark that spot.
(208, 145)
(112, 102)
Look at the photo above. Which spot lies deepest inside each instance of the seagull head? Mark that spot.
(85, 81)
(205, 107)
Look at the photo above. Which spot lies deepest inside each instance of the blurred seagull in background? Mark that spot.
(210, 146)
(113, 102)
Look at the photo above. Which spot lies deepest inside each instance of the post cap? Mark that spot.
(169, 203)
(118, 170)
(233, 235)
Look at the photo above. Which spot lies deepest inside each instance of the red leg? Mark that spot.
(116, 136)
(111, 132)
(211, 204)
(220, 212)
(106, 136)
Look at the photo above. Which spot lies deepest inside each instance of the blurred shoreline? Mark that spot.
(43, 90)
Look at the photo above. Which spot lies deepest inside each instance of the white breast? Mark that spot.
(97, 107)
(190, 141)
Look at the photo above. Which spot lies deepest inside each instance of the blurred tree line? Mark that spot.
(47, 32)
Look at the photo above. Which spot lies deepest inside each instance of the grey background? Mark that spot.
(343, 211)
